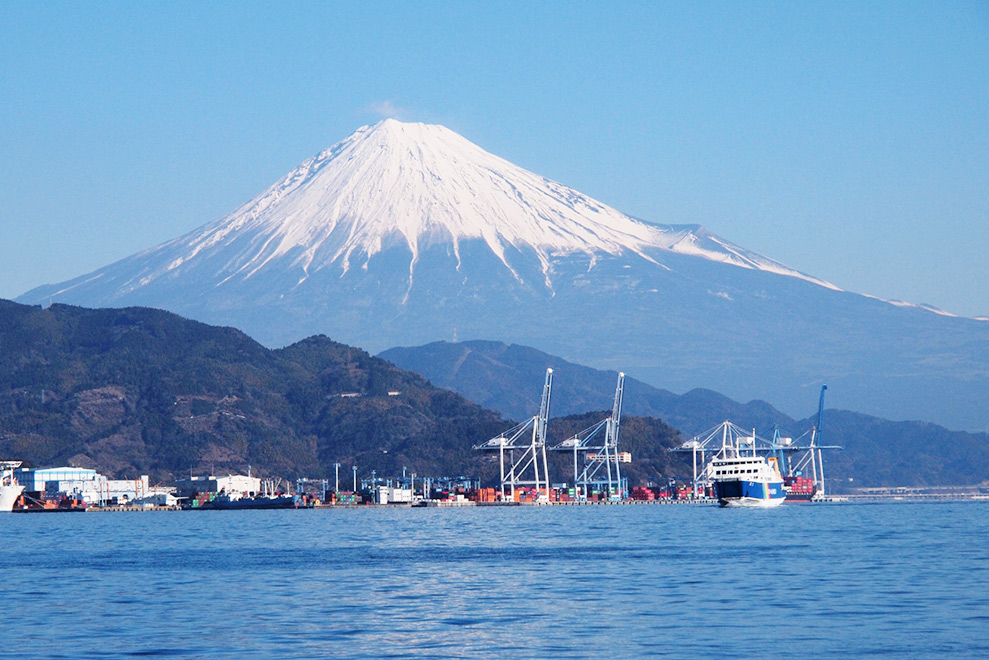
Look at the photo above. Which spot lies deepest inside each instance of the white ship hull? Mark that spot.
(9, 495)
(753, 502)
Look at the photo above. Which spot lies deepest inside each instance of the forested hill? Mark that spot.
(141, 391)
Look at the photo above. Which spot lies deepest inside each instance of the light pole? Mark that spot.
(355, 478)
(336, 469)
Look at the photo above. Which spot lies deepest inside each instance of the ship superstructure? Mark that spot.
(10, 490)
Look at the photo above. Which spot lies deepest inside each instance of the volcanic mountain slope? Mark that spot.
(876, 452)
(403, 234)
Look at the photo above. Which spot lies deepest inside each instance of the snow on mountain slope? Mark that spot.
(418, 185)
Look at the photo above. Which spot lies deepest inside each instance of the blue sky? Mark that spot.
(847, 140)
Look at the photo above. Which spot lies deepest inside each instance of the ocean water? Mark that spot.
(900, 580)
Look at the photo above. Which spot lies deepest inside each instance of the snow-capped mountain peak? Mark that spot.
(418, 184)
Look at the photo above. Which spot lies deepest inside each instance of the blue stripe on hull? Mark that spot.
(731, 490)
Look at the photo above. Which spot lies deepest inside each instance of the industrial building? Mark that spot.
(87, 485)
(231, 484)
(390, 495)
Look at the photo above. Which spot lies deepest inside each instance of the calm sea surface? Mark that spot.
(802, 581)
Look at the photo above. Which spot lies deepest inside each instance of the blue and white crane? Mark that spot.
(597, 452)
(524, 470)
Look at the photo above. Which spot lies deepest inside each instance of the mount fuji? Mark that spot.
(404, 234)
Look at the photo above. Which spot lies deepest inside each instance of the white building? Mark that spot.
(389, 495)
(36, 481)
(87, 485)
(232, 484)
(157, 499)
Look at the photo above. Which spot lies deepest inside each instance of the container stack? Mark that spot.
(201, 499)
(483, 495)
(344, 497)
(642, 493)
(798, 488)
(565, 494)
(526, 495)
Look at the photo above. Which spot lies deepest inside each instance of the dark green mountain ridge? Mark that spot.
(137, 390)
(142, 391)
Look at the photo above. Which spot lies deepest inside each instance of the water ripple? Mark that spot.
(898, 580)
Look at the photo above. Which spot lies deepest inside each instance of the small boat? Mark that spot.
(10, 490)
(747, 481)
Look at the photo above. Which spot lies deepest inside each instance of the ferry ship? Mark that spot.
(10, 490)
(749, 481)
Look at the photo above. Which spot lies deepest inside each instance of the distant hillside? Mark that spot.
(140, 391)
(508, 378)
(876, 452)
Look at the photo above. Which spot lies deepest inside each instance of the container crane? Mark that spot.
(528, 462)
(605, 452)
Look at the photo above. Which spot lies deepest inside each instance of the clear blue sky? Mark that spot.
(847, 140)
